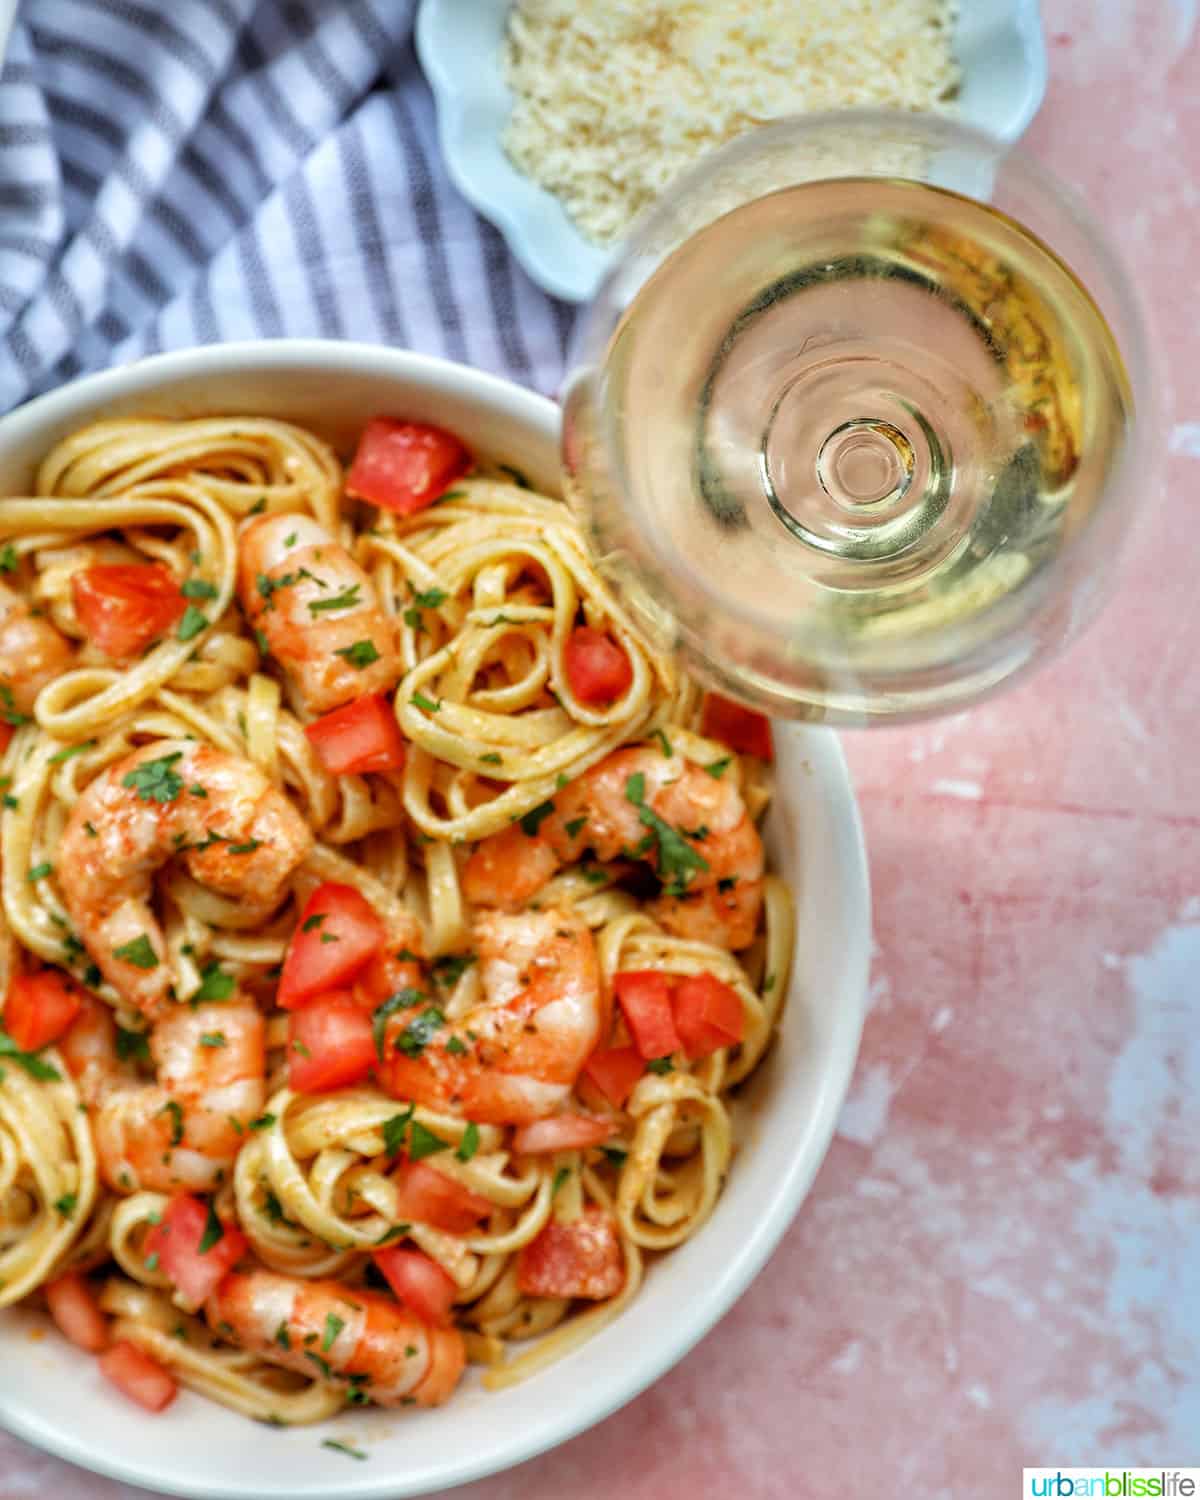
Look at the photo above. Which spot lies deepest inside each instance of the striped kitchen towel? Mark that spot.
(224, 169)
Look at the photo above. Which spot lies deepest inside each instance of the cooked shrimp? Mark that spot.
(32, 653)
(363, 1338)
(317, 611)
(692, 825)
(183, 1131)
(515, 1057)
(237, 834)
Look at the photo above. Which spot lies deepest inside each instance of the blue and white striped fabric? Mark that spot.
(222, 169)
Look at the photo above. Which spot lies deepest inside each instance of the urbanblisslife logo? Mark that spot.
(1119, 1483)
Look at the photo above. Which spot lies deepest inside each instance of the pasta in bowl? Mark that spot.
(390, 930)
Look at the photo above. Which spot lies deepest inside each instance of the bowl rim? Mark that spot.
(818, 746)
(539, 232)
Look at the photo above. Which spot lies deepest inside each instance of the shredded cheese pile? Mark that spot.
(612, 98)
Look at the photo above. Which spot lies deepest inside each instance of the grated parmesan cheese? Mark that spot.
(613, 98)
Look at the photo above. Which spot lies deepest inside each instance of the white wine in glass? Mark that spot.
(848, 426)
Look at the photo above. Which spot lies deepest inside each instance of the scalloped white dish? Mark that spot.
(998, 44)
(56, 1397)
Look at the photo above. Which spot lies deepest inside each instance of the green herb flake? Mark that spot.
(333, 1326)
(662, 739)
(43, 1072)
(420, 1031)
(402, 1000)
(39, 872)
(615, 1156)
(156, 780)
(575, 826)
(492, 758)
(678, 862)
(68, 752)
(532, 820)
(215, 984)
(66, 1204)
(258, 507)
(768, 983)
(447, 971)
(263, 1122)
(212, 1039)
(132, 1045)
(430, 598)
(247, 848)
(423, 1143)
(469, 1144)
(8, 559)
(139, 953)
(196, 790)
(419, 700)
(199, 588)
(347, 1448)
(456, 1047)
(361, 654)
(594, 875)
(290, 539)
(173, 1108)
(152, 1261)
(14, 802)
(515, 475)
(394, 1131)
(320, 1363)
(347, 599)
(260, 641)
(559, 1178)
(314, 921)
(282, 1337)
(214, 1230)
(717, 768)
(193, 622)
(393, 1232)
(660, 1065)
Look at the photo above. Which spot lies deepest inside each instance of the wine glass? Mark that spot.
(859, 415)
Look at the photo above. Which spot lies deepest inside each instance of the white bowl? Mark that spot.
(998, 45)
(56, 1397)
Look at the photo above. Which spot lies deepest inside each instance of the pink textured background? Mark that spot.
(1000, 1262)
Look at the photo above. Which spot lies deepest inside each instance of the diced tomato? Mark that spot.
(645, 997)
(330, 1045)
(124, 606)
(615, 1071)
(405, 466)
(188, 1223)
(40, 1007)
(430, 1197)
(708, 1014)
(77, 1313)
(562, 1133)
(420, 1283)
(358, 737)
(141, 1378)
(385, 974)
(738, 727)
(598, 671)
(7, 731)
(579, 1259)
(338, 933)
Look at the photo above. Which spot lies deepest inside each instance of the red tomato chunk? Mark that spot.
(358, 737)
(598, 671)
(194, 1248)
(708, 1014)
(615, 1071)
(430, 1197)
(76, 1312)
(330, 1045)
(420, 1283)
(405, 466)
(740, 728)
(580, 1259)
(123, 607)
(141, 1378)
(40, 1008)
(338, 934)
(644, 996)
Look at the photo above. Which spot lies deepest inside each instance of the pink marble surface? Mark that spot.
(1000, 1261)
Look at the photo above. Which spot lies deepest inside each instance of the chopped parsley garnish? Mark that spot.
(515, 475)
(173, 1108)
(419, 700)
(263, 645)
(575, 826)
(290, 539)
(132, 1044)
(301, 1049)
(414, 619)
(11, 801)
(492, 758)
(69, 751)
(615, 1156)
(315, 920)
(394, 1131)
(401, 1000)
(139, 953)
(469, 1144)
(717, 768)
(247, 848)
(212, 1039)
(678, 862)
(263, 1122)
(193, 622)
(156, 780)
(429, 598)
(39, 872)
(562, 780)
(660, 1065)
(199, 588)
(333, 1326)
(152, 1261)
(10, 714)
(423, 1143)
(321, 1365)
(338, 1447)
(393, 1232)
(420, 1031)
(347, 599)
(456, 1046)
(91, 976)
(594, 875)
(447, 971)
(44, 1072)
(214, 1230)
(269, 586)
(282, 1337)
(768, 983)
(535, 817)
(360, 655)
(8, 559)
(258, 507)
(273, 1208)
(559, 1178)
(662, 739)
(215, 984)
(66, 1204)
